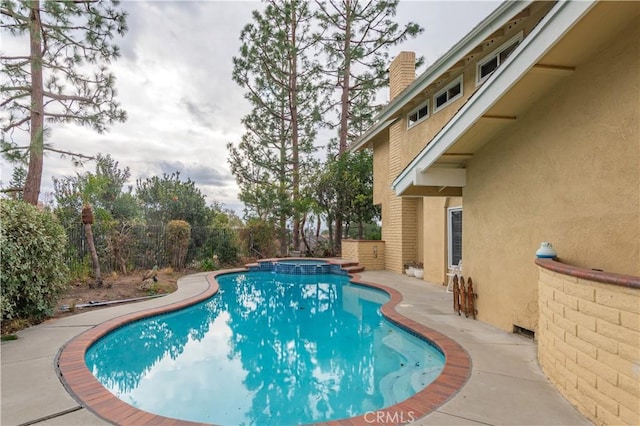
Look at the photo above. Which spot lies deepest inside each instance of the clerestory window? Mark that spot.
(491, 62)
(418, 114)
(448, 94)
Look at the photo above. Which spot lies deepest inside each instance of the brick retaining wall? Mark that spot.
(589, 340)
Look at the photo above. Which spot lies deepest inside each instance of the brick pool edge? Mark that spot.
(92, 395)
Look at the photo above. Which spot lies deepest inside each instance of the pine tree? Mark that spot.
(356, 37)
(281, 80)
(63, 77)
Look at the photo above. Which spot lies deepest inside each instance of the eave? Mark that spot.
(526, 75)
(485, 30)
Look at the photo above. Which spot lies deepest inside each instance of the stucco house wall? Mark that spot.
(566, 172)
(551, 152)
(414, 229)
(434, 235)
(418, 136)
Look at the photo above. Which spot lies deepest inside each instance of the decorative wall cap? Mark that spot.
(589, 274)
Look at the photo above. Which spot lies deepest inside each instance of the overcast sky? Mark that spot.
(174, 81)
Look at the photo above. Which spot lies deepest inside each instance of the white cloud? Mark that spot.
(174, 81)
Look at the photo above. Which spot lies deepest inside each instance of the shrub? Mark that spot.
(222, 244)
(259, 238)
(178, 236)
(33, 272)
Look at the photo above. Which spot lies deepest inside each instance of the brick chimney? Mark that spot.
(402, 72)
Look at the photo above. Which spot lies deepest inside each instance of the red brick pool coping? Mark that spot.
(91, 394)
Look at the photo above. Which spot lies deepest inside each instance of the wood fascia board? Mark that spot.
(441, 176)
(431, 191)
(500, 117)
(559, 70)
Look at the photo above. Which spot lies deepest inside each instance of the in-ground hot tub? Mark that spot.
(295, 266)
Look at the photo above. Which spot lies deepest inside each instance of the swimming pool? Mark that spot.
(269, 349)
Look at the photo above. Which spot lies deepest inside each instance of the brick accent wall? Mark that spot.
(399, 222)
(402, 72)
(368, 253)
(400, 234)
(589, 340)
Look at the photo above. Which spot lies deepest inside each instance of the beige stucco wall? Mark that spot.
(415, 229)
(381, 172)
(417, 137)
(434, 236)
(589, 345)
(567, 171)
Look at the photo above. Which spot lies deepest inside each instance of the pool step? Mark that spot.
(353, 269)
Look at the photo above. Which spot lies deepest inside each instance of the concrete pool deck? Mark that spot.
(506, 385)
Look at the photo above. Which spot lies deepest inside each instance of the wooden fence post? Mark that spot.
(456, 295)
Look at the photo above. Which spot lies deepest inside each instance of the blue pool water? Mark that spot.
(267, 349)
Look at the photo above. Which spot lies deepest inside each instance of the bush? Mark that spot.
(33, 272)
(259, 239)
(222, 243)
(178, 236)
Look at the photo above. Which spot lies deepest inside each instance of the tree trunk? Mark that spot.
(282, 189)
(346, 81)
(303, 235)
(293, 106)
(36, 145)
(344, 114)
(87, 221)
(331, 246)
(283, 235)
(88, 232)
(318, 224)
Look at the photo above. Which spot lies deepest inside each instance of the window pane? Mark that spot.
(441, 100)
(422, 112)
(456, 236)
(454, 91)
(489, 67)
(413, 118)
(506, 52)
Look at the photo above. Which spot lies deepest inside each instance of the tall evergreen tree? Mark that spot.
(356, 37)
(63, 77)
(171, 198)
(281, 80)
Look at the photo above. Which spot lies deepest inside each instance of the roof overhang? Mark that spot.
(517, 83)
(484, 30)
(374, 132)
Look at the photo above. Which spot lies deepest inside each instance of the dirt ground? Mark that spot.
(116, 287)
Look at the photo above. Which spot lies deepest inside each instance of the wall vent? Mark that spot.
(524, 332)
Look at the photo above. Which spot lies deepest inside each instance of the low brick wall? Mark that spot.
(589, 340)
(368, 253)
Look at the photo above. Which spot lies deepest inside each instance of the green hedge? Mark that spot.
(32, 268)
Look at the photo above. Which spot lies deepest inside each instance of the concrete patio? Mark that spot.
(506, 386)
